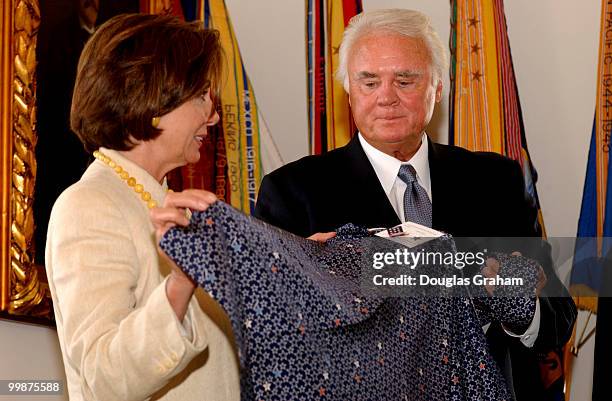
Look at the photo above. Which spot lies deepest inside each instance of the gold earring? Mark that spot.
(155, 121)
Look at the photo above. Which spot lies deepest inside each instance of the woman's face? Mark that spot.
(184, 130)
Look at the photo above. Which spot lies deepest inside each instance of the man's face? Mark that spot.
(392, 89)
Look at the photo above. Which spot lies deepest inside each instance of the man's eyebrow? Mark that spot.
(408, 74)
(366, 75)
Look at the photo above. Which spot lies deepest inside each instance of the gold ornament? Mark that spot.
(155, 122)
(22, 291)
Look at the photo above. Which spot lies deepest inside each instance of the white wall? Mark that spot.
(271, 38)
(554, 46)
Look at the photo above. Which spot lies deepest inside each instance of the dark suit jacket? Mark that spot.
(474, 194)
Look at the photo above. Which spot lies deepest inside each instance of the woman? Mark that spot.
(129, 324)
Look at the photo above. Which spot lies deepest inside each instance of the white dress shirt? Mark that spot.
(387, 168)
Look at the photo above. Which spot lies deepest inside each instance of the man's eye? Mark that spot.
(403, 84)
(369, 84)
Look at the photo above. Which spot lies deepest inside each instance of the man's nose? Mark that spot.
(387, 95)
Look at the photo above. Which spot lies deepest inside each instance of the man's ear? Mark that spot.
(347, 89)
(439, 91)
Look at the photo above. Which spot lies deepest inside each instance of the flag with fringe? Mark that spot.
(329, 117)
(595, 219)
(591, 273)
(485, 112)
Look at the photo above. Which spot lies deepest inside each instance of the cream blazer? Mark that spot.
(120, 338)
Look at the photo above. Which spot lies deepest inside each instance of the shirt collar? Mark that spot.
(150, 184)
(387, 167)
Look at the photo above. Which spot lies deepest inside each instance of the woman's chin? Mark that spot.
(193, 158)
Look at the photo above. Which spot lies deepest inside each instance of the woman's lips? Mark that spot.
(199, 139)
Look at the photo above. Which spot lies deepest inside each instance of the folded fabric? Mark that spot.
(305, 330)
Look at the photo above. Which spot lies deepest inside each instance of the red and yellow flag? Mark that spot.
(485, 112)
(162, 7)
(330, 122)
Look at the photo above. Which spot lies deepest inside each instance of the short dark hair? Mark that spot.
(136, 67)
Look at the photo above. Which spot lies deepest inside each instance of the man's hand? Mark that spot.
(491, 270)
(322, 237)
(541, 280)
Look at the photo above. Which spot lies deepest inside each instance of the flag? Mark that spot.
(485, 115)
(230, 164)
(595, 219)
(330, 124)
(162, 7)
(591, 273)
(485, 112)
(239, 115)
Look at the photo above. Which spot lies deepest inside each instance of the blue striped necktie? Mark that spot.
(417, 206)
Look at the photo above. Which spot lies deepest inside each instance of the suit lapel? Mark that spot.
(368, 195)
(441, 188)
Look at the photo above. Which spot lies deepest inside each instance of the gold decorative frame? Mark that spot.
(24, 293)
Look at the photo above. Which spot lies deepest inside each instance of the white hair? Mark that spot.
(408, 23)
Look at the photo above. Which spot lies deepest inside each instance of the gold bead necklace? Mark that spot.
(130, 181)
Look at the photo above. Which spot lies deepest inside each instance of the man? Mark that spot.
(391, 64)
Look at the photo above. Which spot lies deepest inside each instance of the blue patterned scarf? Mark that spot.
(305, 330)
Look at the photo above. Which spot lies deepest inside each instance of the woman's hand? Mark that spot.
(179, 287)
(173, 211)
